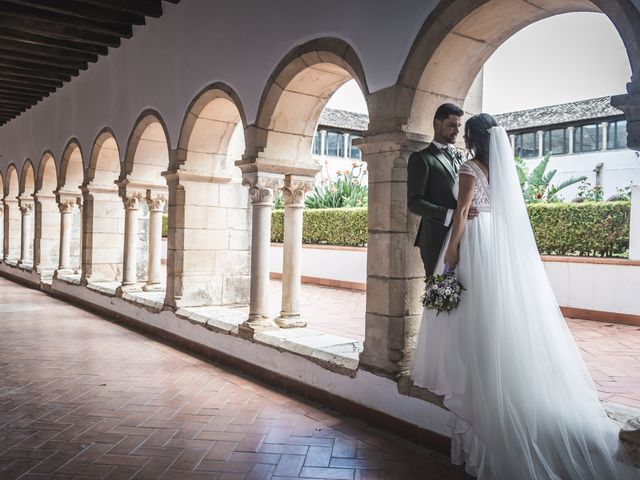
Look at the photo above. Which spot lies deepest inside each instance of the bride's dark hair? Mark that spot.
(476, 133)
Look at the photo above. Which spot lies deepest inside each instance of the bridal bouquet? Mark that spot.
(442, 292)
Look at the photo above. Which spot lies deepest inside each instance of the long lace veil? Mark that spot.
(534, 402)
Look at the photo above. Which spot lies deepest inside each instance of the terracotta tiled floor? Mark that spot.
(83, 398)
(612, 352)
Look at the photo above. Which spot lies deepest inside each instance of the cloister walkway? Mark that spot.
(81, 398)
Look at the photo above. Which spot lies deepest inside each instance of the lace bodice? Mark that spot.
(481, 191)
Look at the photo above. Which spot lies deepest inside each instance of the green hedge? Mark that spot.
(165, 224)
(589, 228)
(327, 226)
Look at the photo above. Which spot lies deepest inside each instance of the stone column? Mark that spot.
(129, 271)
(156, 204)
(570, 135)
(540, 135)
(395, 273)
(345, 143)
(634, 233)
(80, 233)
(26, 209)
(295, 189)
(603, 127)
(261, 186)
(66, 217)
(323, 141)
(512, 140)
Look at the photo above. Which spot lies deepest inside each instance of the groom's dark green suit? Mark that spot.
(431, 174)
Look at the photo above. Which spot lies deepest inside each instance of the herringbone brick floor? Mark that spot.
(83, 398)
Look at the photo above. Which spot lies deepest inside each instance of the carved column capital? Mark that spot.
(156, 202)
(261, 186)
(132, 201)
(295, 189)
(629, 103)
(66, 206)
(26, 208)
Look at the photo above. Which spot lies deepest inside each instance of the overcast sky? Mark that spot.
(561, 59)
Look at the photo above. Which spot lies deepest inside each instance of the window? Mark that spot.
(334, 144)
(587, 138)
(617, 135)
(555, 141)
(526, 145)
(354, 152)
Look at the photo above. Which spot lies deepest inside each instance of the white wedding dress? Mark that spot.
(523, 404)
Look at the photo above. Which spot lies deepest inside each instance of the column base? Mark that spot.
(152, 287)
(630, 437)
(294, 320)
(129, 288)
(253, 324)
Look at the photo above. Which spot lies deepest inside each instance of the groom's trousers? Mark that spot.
(429, 259)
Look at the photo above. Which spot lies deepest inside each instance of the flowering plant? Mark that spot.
(442, 292)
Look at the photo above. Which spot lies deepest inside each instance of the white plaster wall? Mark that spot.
(607, 288)
(344, 265)
(601, 287)
(198, 42)
(621, 167)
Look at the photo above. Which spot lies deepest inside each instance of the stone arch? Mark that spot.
(102, 213)
(143, 189)
(208, 237)
(27, 179)
(465, 34)
(211, 121)
(104, 161)
(69, 203)
(46, 217)
(71, 167)
(11, 217)
(293, 99)
(448, 53)
(47, 178)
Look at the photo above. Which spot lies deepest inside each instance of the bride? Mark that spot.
(522, 401)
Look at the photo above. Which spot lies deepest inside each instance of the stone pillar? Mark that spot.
(129, 271)
(634, 233)
(47, 234)
(323, 142)
(540, 135)
(295, 189)
(156, 204)
(345, 143)
(26, 209)
(66, 218)
(261, 186)
(603, 128)
(630, 105)
(12, 230)
(570, 136)
(78, 268)
(395, 274)
(512, 140)
(102, 234)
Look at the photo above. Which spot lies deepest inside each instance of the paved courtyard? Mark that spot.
(611, 351)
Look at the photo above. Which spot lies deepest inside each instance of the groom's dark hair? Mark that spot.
(447, 109)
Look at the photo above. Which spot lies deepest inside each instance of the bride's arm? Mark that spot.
(466, 185)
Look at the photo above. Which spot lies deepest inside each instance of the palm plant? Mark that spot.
(345, 191)
(536, 186)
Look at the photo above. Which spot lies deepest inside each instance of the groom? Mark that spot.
(431, 174)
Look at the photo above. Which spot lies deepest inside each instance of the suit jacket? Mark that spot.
(430, 179)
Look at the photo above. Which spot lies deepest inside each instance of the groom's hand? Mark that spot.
(473, 213)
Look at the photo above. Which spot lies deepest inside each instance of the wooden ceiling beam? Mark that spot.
(148, 8)
(34, 38)
(28, 73)
(59, 32)
(29, 82)
(47, 51)
(63, 74)
(83, 10)
(66, 24)
(26, 58)
(16, 87)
